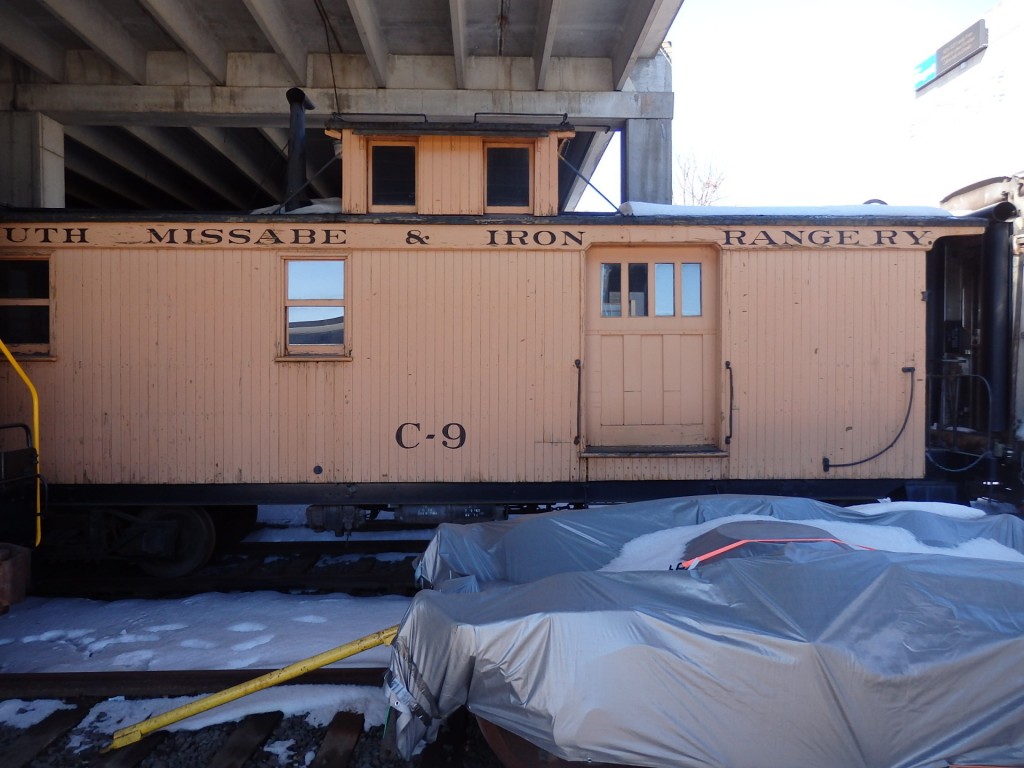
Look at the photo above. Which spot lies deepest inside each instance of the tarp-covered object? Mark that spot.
(900, 647)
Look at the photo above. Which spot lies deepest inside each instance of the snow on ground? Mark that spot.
(271, 630)
(267, 630)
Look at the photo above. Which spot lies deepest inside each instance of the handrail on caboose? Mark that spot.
(35, 436)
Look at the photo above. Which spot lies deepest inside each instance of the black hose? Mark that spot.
(826, 465)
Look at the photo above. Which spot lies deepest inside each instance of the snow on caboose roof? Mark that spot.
(880, 210)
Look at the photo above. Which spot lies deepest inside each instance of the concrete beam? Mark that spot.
(223, 142)
(175, 152)
(130, 158)
(374, 45)
(115, 179)
(647, 161)
(275, 22)
(181, 105)
(27, 43)
(103, 33)
(636, 39)
(181, 22)
(32, 156)
(457, 10)
(587, 168)
(547, 24)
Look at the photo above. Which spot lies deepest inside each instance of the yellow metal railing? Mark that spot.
(35, 437)
(133, 733)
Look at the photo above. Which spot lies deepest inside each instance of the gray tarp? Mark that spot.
(804, 656)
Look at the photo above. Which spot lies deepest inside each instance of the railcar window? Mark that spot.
(672, 296)
(638, 290)
(611, 290)
(25, 304)
(664, 290)
(393, 175)
(508, 177)
(315, 306)
(691, 274)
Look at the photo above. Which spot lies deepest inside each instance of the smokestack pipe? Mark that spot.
(296, 181)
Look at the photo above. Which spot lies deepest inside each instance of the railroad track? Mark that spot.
(66, 738)
(375, 567)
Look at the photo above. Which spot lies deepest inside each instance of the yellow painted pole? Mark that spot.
(134, 733)
(35, 436)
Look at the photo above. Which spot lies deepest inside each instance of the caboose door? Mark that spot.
(651, 348)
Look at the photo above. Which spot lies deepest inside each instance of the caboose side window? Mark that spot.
(25, 304)
(509, 178)
(392, 176)
(315, 306)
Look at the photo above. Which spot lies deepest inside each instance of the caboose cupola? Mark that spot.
(486, 166)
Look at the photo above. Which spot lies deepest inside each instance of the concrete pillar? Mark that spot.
(31, 160)
(647, 161)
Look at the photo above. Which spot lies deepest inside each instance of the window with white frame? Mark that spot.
(315, 322)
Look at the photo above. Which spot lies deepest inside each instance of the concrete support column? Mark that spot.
(31, 160)
(647, 161)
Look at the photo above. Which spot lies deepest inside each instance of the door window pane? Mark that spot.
(691, 289)
(664, 290)
(638, 290)
(611, 290)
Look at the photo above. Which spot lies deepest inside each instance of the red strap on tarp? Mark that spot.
(687, 564)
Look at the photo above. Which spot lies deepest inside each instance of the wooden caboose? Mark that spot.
(444, 335)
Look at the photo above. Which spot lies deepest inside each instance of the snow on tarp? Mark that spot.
(570, 630)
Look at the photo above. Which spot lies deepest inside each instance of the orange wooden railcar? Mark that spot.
(448, 338)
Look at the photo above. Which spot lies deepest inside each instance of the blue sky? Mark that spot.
(807, 102)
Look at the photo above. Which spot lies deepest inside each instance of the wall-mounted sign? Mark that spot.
(968, 43)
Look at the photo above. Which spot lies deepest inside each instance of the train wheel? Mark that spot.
(192, 546)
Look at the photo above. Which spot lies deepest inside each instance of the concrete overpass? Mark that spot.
(180, 104)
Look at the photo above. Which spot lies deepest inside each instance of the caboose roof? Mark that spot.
(873, 210)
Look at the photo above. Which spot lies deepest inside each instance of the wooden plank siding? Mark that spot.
(168, 362)
(817, 341)
(450, 173)
(167, 369)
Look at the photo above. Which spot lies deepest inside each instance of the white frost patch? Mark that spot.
(166, 627)
(24, 714)
(311, 619)
(255, 642)
(282, 750)
(134, 659)
(247, 627)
